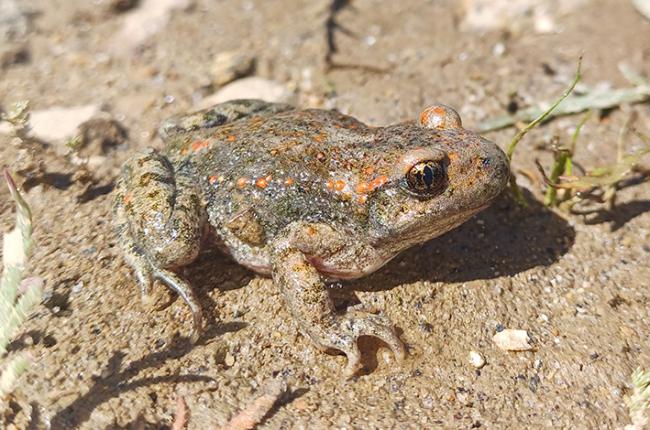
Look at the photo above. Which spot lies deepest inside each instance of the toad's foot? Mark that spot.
(344, 332)
(159, 223)
(309, 302)
(184, 290)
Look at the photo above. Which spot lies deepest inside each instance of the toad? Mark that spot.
(306, 197)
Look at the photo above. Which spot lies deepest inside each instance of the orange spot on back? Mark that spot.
(231, 138)
(199, 144)
(288, 181)
(339, 185)
(378, 181)
(213, 179)
(241, 182)
(329, 184)
(127, 198)
(263, 182)
(362, 188)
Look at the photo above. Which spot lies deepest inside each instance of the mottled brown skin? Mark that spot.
(306, 196)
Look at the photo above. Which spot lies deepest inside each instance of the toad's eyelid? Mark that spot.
(419, 155)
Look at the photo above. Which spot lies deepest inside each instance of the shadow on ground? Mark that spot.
(620, 215)
(120, 380)
(505, 239)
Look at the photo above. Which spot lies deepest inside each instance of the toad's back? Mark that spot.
(281, 166)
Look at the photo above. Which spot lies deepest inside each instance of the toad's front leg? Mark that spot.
(159, 223)
(306, 295)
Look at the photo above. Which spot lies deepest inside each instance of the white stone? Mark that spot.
(59, 123)
(476, 359)
(512, 340)
(249, 88)
(643, 6)
(515, 15)
(13, 22)
(143, 22)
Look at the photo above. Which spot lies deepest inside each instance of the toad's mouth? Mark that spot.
(331, 271)
(335, 272)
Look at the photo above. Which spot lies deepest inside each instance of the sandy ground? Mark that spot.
(579, 285)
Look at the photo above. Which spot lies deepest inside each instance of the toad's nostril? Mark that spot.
(502, 171)
(495, 163)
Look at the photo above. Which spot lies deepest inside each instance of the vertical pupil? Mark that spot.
(428, 176)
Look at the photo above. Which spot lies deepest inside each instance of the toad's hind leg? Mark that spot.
(159, 223)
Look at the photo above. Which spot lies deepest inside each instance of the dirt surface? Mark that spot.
(579, 285)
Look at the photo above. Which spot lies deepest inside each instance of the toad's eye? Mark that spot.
(427, 178)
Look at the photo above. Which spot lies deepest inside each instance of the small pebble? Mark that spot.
(428, 402)
(476, 359)
(229, 65)
(229, 360)
(99, 136)
(534, 383)
(370, 40)
(499, 49)
(76, 288)
(119, 6)
(512, 340)
(12, 54)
